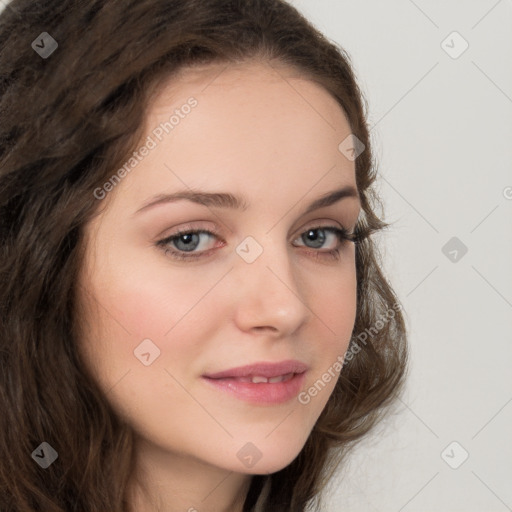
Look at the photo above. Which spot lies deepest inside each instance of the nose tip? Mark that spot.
(269, 297)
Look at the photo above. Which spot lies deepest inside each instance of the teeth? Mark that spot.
(256, 379)
(281, 378)
(277, 379)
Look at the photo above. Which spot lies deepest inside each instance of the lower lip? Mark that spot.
(262, 393)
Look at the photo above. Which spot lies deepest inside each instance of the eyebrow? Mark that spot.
(227, 200)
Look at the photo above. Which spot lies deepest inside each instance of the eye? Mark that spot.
(187, 241)
(316, 235)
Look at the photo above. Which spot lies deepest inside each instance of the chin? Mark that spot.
(273, 458)
(271, 466)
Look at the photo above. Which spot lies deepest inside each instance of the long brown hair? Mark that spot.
(67, 121)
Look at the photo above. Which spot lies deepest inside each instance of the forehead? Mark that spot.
(254, 126)
(254, 83)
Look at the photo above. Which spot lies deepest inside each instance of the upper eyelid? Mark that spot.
(187, 227)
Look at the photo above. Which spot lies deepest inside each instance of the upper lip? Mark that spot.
(267, 370)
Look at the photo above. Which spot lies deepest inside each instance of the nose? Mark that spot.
(268, 295)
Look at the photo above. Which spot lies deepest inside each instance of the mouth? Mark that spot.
(258, 379)
(262, 383)
(263, 370)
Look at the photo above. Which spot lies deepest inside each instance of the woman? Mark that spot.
(192, 309)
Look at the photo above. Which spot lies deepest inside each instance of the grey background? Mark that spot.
(442, 133)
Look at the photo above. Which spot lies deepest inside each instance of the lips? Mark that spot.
(261, 383)
(262, 393)
(281, 370)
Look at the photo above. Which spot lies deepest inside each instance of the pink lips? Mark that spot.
(267, 370)
(287, 379)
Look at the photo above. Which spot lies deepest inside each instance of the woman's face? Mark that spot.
(260, 288)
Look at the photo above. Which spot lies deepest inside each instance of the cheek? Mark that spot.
(150, 299)
(338, 304)
(334, 300)
(134, 308)
(129, 319)
(335, 305)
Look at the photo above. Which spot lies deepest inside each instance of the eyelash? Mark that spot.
(342, 235)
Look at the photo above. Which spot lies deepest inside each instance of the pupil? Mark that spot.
(315, 238)
(187, 240)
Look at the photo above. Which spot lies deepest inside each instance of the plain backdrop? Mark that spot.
(438, 79)
(440, 109)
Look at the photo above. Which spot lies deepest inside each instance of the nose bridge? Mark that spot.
(268, 292)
